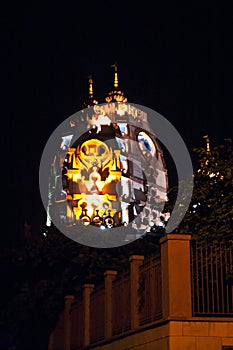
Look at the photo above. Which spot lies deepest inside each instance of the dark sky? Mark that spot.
(175, 59)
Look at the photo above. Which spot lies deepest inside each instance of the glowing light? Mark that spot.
(117, 96)
(212, 175)
(90, 87)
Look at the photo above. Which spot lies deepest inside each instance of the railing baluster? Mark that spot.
(202, 281)
(216, 280)
(231, 286)
(207, 278)
(222, 279)
(227, 289)
(193, 289)
(197, 279)
(212, 276)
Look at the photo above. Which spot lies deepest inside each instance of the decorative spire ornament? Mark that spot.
(115, 84)
(206, 137)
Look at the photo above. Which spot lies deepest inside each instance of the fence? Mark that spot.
(211, 269)
(150, 290)
(121, 304)
(97, 314)
(77, 324)
(180, 282)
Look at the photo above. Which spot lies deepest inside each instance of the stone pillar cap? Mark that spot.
(175, 237)
(136, 257)
(110, 272)
(88, 285)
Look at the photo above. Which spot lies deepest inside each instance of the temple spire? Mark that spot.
(115, 75)
(206, 137)
(115, 95)
(90, 89)
(90, 100)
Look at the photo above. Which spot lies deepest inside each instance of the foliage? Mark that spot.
(210, 214)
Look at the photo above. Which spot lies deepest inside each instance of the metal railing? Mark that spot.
(77, 324)
(97, 309)
(150, 291)
(121, 304)
(211, 271)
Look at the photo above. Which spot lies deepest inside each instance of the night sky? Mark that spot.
(177, 60)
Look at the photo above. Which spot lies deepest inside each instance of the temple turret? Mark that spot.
(115, 95)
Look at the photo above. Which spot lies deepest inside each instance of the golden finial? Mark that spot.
(90, 80)
(207, 143)
(115, 75)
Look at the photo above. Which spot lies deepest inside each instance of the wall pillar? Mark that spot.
(109, 277)
(135, 262)
(176, 276)
(67, 321)
(87, 289)
(51, 342)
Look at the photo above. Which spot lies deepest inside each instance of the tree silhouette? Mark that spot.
(210, 214)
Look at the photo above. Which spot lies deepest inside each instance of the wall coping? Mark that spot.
(88, 286)
(136, 257)
(110, 272)
(175, 237)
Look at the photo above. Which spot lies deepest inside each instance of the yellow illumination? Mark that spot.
(117, 96)
(115, 80)
(207, 143)
(94, 167)
(90, 87)
(115, 75)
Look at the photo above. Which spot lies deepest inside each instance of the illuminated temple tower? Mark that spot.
(113, 173)
(91, 99)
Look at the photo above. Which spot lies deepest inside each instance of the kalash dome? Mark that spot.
(108, 174)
